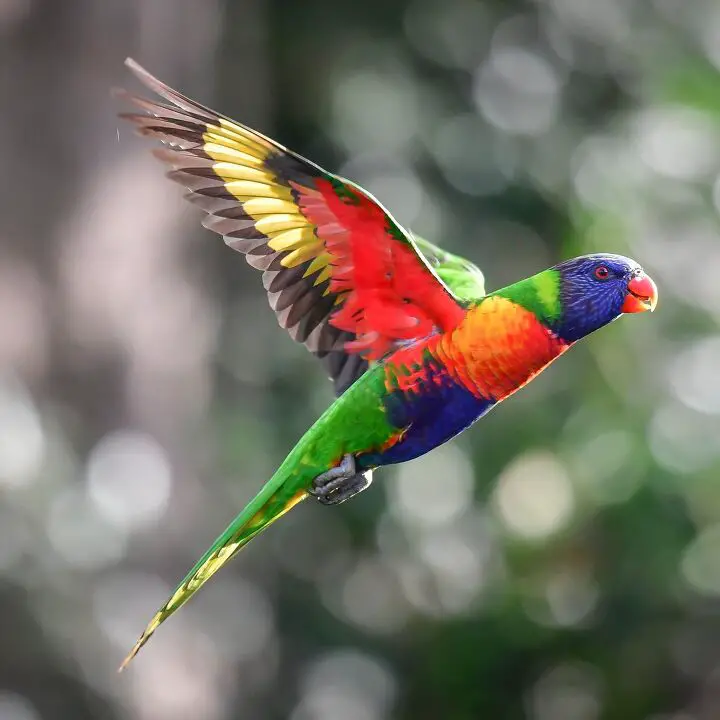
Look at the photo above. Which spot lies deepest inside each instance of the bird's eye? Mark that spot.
(601, 272)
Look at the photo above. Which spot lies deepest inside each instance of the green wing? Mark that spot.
(464, 279)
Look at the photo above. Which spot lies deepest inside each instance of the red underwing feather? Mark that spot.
(391, 294)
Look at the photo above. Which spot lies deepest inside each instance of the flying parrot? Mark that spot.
(415, 347)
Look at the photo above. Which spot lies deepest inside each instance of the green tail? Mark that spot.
(355, 422)
(281, 493)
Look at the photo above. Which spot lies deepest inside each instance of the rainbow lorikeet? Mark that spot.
(416, 348)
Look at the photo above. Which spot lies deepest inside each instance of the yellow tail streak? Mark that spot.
(271, 503)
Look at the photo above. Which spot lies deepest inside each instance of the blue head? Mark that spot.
(596, 289)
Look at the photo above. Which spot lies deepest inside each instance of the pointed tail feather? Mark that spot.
(276, 498)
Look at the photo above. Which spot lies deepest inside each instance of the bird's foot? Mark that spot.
(340, 483)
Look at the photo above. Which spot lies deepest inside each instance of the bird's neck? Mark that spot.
(499, 347)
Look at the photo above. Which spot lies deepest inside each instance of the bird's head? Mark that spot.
(596, 289)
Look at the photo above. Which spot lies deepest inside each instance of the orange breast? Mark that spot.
(498, 348)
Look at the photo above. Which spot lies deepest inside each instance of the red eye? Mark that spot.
(602, 273)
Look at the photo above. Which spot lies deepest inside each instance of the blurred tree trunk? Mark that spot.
(91, 240)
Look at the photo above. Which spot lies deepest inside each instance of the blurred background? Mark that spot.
(561, 561)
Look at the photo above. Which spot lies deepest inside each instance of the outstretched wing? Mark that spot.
(341, 275)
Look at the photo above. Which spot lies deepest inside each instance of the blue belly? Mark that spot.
(434, 414)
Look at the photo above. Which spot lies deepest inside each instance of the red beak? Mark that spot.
(641, 296)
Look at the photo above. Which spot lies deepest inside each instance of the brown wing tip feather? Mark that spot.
(146, 78)
(165, 91)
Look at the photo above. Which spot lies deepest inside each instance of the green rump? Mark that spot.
(356, 425)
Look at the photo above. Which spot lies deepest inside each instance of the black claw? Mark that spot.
(344, 471)
(354, 485)
(340, 483)
(327, 488)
